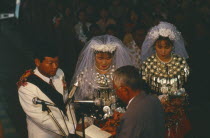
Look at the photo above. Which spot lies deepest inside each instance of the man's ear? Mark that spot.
(37, 62)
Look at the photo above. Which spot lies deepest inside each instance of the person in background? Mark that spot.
(113, 30)
(137, 37)
(104, 19)
(82, 27)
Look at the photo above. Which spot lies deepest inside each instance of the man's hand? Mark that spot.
(110, 129)
(112, 123)
(23, 79)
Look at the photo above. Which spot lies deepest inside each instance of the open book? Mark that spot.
(95, 132)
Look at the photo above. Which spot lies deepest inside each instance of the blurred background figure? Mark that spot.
(82, 27)
(104, 19)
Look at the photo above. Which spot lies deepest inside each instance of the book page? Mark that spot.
(95, 132)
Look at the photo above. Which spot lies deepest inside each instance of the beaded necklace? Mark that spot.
(104, 80)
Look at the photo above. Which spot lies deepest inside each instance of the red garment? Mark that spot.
(180, 130)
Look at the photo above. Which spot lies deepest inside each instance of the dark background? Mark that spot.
(18, 36)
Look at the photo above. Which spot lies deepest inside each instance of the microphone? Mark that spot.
(73, 90)
(97, 102)
(71, 93)
(36, 100)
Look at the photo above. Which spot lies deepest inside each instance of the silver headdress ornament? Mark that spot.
(163, 29)
(104, 48)
(166, 30)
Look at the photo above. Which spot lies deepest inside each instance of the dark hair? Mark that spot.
(129, 76)
(139, 27)
(46, 49)
(104, 8)
(81, 10)
(112, 27)
(168, 41)
(94, 25)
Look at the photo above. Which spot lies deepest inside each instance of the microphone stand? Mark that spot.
(83, 124)
(45, 108)
(70, 100)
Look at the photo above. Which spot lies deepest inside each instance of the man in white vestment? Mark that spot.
(46, 83)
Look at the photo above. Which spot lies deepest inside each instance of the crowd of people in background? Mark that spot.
(73, 22)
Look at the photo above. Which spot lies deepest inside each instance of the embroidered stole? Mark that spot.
(49, 91)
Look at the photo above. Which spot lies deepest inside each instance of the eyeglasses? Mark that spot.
(115, 89)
